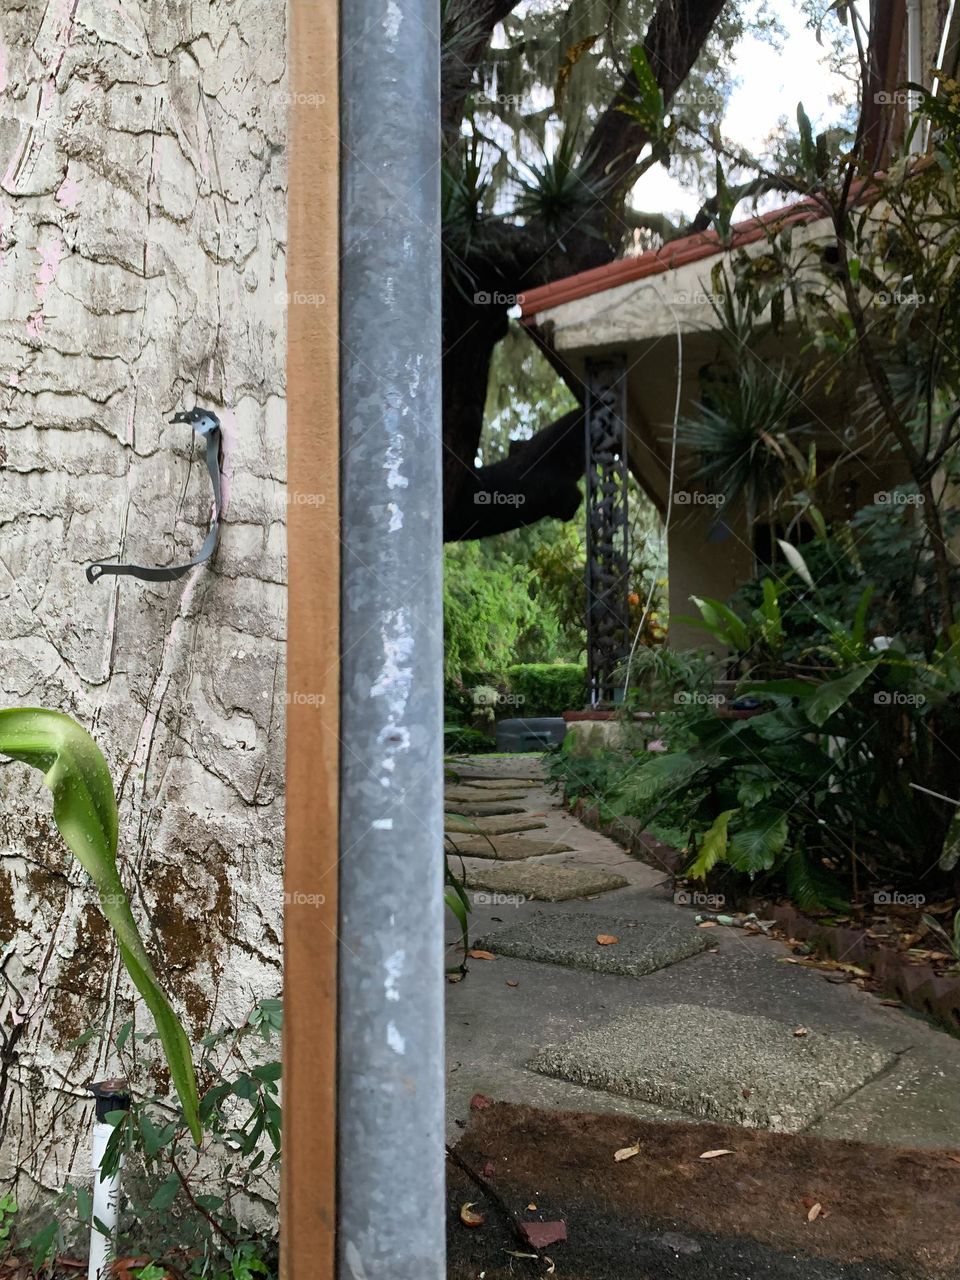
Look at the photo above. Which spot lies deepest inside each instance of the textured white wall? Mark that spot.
(142, 237)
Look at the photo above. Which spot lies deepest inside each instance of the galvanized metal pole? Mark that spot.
(391, 1078)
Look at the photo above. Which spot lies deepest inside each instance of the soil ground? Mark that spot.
(885, 1212)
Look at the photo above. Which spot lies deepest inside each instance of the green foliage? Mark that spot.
(8, 1211)
(85, 811)
(545, 689)
(492, 614)
(169, 1213)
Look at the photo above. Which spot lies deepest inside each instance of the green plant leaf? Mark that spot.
(832, 695)
(85, 811)
(756, 846)
(723, 623)
(714, 846)
(649, 93)
(950, 854)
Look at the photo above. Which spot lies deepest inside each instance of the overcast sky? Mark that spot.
(769, 84)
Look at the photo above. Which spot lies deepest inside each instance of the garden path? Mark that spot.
(669, 1021)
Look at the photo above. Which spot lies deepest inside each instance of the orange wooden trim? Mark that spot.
(308, 1190)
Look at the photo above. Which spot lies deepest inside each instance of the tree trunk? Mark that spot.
(507, 259)
(142, 239)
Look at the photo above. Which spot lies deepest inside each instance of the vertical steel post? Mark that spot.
(608, 559)
(391, 1078)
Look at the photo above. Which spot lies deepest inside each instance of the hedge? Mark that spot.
(547, 688)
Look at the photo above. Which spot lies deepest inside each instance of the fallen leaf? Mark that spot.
(801, 1031)
(746, 1093)
(627, 1153)
(469, 1218)
(712, 1155)
(552, 1267)
(607, 939)
(512, 982)
(531, 1207)
(814, 1212)
(893, 1004)
(480, 1102)
(541, 1234)
(707, 924)
(481, 955)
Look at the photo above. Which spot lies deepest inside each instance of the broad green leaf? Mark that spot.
(950, 855)
(834, 694)
(662, 773)
(723, 623)
(166, 1194)
(755, 788)
(714, 847)
(85, 811)
(810, 885)
(808, 151)
(755, 847)
(649, 93)
(860, 619)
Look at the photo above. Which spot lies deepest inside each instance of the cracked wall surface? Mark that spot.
(142, 236)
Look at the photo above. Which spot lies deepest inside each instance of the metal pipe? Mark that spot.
(391, 1078)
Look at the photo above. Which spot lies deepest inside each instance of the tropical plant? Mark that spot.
(85, 811)
(170, 1211)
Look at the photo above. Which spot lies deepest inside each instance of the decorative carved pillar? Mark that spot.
(608, 618)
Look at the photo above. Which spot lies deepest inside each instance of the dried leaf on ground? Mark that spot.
(626, 1153)
(607, 939)
(814, 1212)
(481, 955)
(801, 1031)
(469, 1217)
(712, 1155)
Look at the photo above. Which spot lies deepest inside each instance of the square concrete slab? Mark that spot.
(642, 947)
(719, 1065)
(498, 784)
(544, 882)
(505, 848)
(490, 826)
(482, 795)
(471, 809)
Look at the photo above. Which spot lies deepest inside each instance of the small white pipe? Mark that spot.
(914, 68)
(106, 1204)
(110, 1096)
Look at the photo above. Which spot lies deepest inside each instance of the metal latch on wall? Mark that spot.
(206, 423)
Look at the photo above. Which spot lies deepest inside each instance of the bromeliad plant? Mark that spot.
(85, 811)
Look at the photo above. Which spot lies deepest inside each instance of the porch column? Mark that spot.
(608, 565)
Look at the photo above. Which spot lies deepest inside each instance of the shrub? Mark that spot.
(547, 689)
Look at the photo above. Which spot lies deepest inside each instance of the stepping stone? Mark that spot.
(543, 882)
(703, 1061)
(490, 826)
(483, 795)
(475, 778)
(571, 940)
(506, 848)
(499, 784)
(470, 809)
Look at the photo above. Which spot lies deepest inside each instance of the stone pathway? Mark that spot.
(603, 996)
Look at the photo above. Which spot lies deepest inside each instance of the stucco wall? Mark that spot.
(142, 234)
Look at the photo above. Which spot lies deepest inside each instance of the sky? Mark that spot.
(769, 85)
